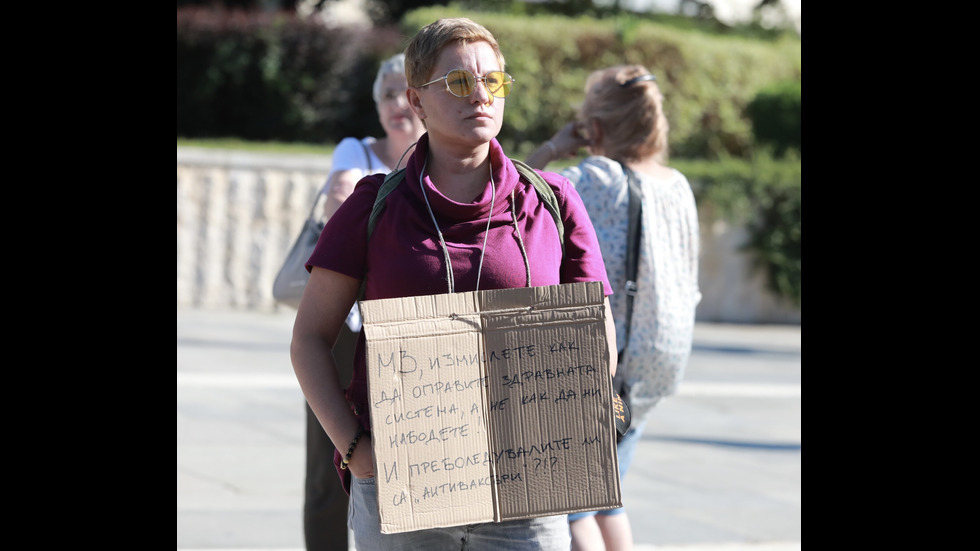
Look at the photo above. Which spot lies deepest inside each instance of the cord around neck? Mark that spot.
(450, 276)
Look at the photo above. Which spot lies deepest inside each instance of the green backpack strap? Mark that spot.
(547, 196)
(392, 180)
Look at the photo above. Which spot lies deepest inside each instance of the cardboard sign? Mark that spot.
(490, 406)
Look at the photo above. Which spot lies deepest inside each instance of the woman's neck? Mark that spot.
(462, 179)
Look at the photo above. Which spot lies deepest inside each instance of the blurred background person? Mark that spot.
(326, 502)
(355, 158)
(622, 124)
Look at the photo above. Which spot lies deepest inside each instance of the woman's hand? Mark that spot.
(565, 143)
(568, 140)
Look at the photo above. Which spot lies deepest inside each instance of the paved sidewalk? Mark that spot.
(719, 467)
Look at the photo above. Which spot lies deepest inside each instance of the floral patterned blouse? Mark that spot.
(663, 309)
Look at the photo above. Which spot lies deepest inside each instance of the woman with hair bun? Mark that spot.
(622, 124)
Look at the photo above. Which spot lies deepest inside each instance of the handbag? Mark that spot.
(292, 277)
(621, 389)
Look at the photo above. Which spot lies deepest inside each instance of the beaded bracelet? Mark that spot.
(350, 450)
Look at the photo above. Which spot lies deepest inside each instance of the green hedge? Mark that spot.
(766, 195)
(777, 116)
(275, 77)
(707, 80)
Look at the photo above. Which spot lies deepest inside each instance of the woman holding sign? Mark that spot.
(462, 219)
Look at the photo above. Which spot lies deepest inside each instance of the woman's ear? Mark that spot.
(415, 102)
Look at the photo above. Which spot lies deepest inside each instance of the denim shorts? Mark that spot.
(625, 449)
(537, 534)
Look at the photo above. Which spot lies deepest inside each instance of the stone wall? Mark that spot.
(238, 213)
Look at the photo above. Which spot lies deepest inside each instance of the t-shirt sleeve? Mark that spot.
(348, 155)
(583, 258)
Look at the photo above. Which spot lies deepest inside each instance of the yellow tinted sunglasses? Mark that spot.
(461, 83)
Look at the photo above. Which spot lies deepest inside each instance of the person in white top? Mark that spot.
(622, 124)
(355, 158)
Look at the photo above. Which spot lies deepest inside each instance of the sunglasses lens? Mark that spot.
(499, 83)
(460, 82)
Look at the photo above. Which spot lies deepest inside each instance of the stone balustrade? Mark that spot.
(238, 214)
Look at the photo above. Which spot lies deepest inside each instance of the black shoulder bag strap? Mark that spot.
(624, 417)
(632, 247)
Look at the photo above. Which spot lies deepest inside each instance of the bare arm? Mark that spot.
(339, 186)
(323, 309)
(565, 143)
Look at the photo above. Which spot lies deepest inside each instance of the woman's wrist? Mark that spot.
(353, 444)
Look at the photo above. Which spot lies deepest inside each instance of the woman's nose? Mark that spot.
(482, 93)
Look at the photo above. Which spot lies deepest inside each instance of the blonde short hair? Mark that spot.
(631, 117)
(424, 48)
